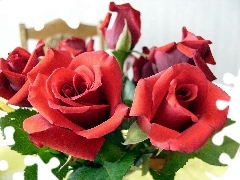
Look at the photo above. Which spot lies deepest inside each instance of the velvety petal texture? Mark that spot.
(177, 108)
(125, 13)
(48, 63)
(75, 46)
(14, 71)
(142, 67)
(78, 100)
(192, 49)
(61, 139)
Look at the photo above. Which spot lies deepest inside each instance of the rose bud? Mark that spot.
(177, 109)
(75, 46)
(125, 13)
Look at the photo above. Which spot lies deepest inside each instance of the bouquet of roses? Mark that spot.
(104, 114)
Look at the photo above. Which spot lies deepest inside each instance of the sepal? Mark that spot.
(125, 39)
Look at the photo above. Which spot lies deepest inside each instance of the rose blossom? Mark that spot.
(142, 67)
(177, 108)
(192, 49)
(75, 46)
(124, 13)
(78, 104)
(14, 70)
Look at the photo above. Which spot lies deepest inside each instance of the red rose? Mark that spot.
(177, 108)
(78, 104)
(192, 49)
(75, 46)
(196, 44)
(142, 67)
(14, 70)
(124, 13)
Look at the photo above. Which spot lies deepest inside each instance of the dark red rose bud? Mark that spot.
(125, 12)
(75, 46)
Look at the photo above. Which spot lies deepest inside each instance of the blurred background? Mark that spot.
(162, 22)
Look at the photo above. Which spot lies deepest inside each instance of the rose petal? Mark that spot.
(36, 123)
(111, 77)
(21, 52)
(84, 116)
(161, 136)
(51, 61)
(142, 104)
(160, 88)
(188, 36)
(66, 109)
(189, 94)
(144, 124)
(173, 117)
(33, 59)
(61, 139)
(85, 71)
(16, 80)
(211, 114)
(165, 60)
(179, 107)
(189, 52)
(167, 48)
(95, 94)
(202, 65)
(189, 141)
(41, 104)
(17, 60)
(108, 126)
(103, 26)
(124, 13)
(6, 91)
(73, 46)
(20, 98)
(90, 45)
(62, 76)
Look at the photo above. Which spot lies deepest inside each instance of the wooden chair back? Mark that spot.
(60, 30)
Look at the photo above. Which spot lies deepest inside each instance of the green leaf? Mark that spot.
(125, 39)
(128, 92)
(46, 154)
(135, 135)
(30, 172)
(109, 171)
(15, 119)
(210, 152)
(174, 161)
(24, 146)
(110, 152)
(145, 164)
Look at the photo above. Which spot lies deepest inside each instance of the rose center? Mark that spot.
(183, 94)
(68, 90)
(82, 89)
